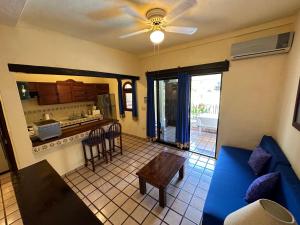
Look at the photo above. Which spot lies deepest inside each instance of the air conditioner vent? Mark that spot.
(276, 44)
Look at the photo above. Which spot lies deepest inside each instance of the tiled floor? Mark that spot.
(112, 191)
(9, 211)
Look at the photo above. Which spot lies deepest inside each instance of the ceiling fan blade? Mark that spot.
(104, 14)
(134, 33)
(180, 9)
(181, 30)
(138, 1)
(134, 13)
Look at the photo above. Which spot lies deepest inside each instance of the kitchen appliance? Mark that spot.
(47, 116)
(47, 129)
(107, 105)
(96, 112)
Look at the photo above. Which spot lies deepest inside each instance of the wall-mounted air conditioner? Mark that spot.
(276, 44)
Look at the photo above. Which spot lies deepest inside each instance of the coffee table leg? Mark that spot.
(162, 197)
(181, 173)
(142, 186)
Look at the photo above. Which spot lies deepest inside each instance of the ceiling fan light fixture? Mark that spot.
(157, 37)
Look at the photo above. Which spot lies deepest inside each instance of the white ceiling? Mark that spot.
(10, 11)
(103, 21)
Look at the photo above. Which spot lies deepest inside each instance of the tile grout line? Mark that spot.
(139, 156)
(4, 210)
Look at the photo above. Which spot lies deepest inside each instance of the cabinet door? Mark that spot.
(78, 92)
(47, 93)
(102, 89)
(64, 90)
(32, 87)
(91, 92)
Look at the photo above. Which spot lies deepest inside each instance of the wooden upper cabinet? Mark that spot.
(102, 89)
(67, 91)
(78, 92)
(47, 93)
(64, 91)
(32, 87)
(91, 92)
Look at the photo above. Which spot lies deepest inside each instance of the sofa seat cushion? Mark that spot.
(230, 181)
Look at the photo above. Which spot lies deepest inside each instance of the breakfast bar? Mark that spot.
(69, 134)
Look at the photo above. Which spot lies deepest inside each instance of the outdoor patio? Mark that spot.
(202, 141)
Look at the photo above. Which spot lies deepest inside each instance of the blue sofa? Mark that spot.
(233, 176)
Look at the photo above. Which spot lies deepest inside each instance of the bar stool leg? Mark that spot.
(114, 144)
(121, 147)
(84, 153)
(98, 150)
(103, 145)
(92, 158)
(110, 150)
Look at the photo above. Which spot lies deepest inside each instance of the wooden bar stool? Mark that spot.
(114, 132)
(96, 138)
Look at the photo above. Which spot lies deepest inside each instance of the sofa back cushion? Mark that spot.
(278, 157)
(289, 190)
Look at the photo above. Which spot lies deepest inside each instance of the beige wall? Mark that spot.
(41, 47)
(250, 89)
(288, 136)
(246, 114)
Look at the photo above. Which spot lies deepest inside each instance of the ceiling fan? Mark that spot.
(158, 19)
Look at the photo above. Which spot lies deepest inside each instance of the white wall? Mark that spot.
(288, 136)
(41, 47)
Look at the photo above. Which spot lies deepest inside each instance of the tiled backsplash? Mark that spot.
(34, 112)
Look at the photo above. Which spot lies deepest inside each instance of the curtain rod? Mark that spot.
(215, 67)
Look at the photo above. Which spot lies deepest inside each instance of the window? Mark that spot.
(127, 96)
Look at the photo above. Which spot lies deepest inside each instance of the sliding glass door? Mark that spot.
(205, 104)
(203, 116)
(166, 109)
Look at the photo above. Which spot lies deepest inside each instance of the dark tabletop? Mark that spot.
(160, 170)
(45, 199)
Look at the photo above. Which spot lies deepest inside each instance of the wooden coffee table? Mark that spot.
(159, 172)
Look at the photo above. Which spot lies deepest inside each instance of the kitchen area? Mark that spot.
(62, 112)
(58, 111)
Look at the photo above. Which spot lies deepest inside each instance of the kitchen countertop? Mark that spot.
(69, 131)
(44, 198)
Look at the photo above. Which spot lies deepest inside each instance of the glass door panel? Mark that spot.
(166, 107)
